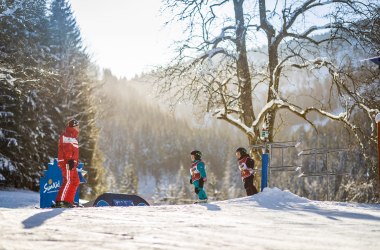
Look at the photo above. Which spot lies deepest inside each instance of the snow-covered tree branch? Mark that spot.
(293, 41)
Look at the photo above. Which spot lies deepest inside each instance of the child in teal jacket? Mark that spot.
(198, 174)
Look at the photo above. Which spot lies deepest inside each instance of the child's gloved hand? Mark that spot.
(204, 179)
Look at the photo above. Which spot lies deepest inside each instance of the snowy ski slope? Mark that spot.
(273, 219)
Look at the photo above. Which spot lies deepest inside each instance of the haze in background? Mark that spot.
(127, 37)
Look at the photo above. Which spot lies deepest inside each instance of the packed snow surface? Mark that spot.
(273, 219)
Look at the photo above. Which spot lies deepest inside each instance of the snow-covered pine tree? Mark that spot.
(129, 182)
(73, 92)
(23, 91)
(8, 141)
(212, 188)
(182, 186)
(232, 184)
(69, 61)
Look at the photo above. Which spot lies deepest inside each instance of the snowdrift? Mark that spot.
(273, 219)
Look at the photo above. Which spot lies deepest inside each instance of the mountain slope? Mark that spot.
(273, 219)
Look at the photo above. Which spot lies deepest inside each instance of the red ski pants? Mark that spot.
(70, 183)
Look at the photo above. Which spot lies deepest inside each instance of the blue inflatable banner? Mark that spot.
(52, 181)
(119, 200)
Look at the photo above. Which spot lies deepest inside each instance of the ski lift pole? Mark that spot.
(378, 151)
(264, 171)
(265, 161)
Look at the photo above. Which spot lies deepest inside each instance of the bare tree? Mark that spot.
(214, 69)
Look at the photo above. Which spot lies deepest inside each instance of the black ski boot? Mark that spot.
(63, 204)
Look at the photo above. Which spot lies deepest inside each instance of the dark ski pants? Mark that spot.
(198, 188)
(250, 188)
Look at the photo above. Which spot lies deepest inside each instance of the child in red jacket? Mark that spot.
(246, 165)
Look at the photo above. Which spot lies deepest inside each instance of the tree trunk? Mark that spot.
(273, 62)
(273, 86)
(244, 79)
(243, 74)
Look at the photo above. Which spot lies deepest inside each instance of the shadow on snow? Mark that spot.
(309, 207)
(211, 207)
(39, 219)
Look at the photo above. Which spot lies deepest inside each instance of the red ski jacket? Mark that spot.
(246, 165)
(68, 147)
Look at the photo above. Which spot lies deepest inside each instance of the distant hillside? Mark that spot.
(141, 141)
(147, 144)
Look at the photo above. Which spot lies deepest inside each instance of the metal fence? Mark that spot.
(318, 169)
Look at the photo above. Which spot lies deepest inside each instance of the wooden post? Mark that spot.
(378, 151)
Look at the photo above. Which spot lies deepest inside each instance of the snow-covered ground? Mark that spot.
(273, 219)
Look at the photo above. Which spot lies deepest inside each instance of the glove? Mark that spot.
(191, 181)
(242, 167)
(70, 164)
(204, 179)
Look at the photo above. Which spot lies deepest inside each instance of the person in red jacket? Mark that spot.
(246, 165)
(68, 154)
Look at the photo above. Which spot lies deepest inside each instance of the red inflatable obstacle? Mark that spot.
(120, 200)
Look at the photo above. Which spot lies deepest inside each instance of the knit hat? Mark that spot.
(242, 151)
(73, 123)
(197, 154)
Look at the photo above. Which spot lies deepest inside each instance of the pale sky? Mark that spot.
(126, 36)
